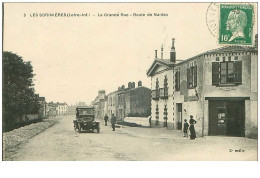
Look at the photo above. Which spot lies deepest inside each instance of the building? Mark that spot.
(162, 103)
(112, 104)
(218, 87)
(43, 107)
(124, 102)
(99, 104)
(62, 108)
(52, 112)
(134, 101)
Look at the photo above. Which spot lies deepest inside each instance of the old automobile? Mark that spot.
(85, 119)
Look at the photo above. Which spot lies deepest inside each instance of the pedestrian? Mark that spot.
(192, 129)
(106, 119)
(113, 122)
(150, 121)
(185, 128)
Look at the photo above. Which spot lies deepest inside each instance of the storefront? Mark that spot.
(227, 116)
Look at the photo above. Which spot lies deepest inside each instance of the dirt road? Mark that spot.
(62, 143)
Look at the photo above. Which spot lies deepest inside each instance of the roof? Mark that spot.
(156, 62)
(221, 50)
(225, 49)
(84, 107)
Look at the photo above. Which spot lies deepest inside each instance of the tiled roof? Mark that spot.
(225, 49)
(229, 49)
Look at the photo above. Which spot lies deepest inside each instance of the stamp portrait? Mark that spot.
(236, 22)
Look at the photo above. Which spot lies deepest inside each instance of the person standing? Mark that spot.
(113, 122)
(192, 129)
(106, 119)
(185, 128)
(150, 121)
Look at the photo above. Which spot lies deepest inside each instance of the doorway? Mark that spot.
(179, 115)
(227, 118)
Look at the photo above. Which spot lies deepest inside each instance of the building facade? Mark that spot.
(217, 87)
(162, 103)
(124, 102)
(134, 101)
(99, 104)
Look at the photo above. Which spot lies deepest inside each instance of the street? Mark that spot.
(60, 142)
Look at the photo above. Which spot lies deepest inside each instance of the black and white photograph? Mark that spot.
(129, 81)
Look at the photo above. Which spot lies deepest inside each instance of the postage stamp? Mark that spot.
(236, 24)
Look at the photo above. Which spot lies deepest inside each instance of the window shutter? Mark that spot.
(179, 79)
(176, 80)
(215, 73)
(238, 72)
(188, 77)
(195, 76)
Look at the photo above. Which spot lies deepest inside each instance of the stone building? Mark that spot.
(100, 104)
(162, 103)
(52, 112)
(124, 102)
(218, 87)
(112, 104)
(134, 101)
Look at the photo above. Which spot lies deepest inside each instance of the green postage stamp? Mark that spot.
(236, 24)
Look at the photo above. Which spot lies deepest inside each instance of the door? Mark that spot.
(179, 115)
(227, 118)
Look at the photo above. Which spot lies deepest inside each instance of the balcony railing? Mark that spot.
(164, 93)
(155, 94)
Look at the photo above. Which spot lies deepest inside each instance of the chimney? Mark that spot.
(173, 53)
(256, 41)
(162, 52)
(155, 54)
(133, 84)
(123, 87)
(139, 83)
(129, 84)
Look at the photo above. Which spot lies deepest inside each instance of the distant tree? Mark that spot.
(18, 92)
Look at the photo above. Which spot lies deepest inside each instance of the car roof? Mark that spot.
(85, 107)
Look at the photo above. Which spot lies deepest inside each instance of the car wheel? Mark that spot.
(79, 127)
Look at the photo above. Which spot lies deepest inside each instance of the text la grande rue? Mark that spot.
(127, 15)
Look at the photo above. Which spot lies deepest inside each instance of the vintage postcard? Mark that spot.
(130, 82)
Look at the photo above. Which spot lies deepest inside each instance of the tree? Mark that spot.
(18, 92)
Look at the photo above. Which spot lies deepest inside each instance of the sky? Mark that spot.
(74, 57)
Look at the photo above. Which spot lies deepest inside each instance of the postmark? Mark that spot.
(236, 24)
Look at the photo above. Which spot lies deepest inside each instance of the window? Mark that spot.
(165, 81)
(192, 76)
(236, 58)
(224, 59)
(225, 73)
(157, 112)
(229, 58)
(157, 84)
(165, 113)
(217, 58)
(177, 80)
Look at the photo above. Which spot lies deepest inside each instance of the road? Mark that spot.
(62, 143)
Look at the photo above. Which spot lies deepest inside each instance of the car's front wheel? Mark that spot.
(79, 127)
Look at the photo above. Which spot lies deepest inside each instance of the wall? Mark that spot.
(140, 102)
(191, 99)
(161, 102)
